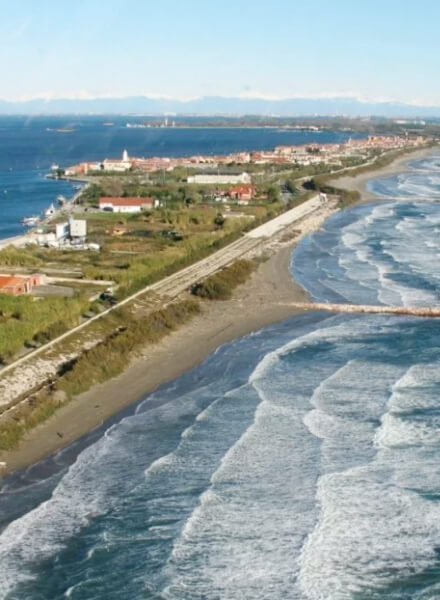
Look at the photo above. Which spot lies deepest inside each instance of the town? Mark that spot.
(305, 155)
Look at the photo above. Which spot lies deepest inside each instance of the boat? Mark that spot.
(49, 212)
(54, 167)
(30, 221)
(61, 199)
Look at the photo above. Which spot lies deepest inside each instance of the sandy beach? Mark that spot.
(359, 182)
(256, 304)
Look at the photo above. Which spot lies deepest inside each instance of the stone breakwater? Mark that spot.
(414, 311)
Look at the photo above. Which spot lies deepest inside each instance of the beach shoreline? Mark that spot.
(399, 165)
(260, 302)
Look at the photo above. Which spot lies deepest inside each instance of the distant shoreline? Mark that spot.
(400, 165)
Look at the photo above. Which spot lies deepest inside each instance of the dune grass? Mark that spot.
(221, 285)
(104, 361)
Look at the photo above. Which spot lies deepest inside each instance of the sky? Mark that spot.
(373, 50)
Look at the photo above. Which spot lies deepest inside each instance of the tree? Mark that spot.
(273, 193)
(219, 221)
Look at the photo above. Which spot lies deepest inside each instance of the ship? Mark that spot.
(30, 221)
(49, 212)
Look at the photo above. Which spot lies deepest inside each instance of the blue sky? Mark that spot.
(384, 49)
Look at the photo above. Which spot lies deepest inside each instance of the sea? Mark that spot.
(29, 146)
(299, 462)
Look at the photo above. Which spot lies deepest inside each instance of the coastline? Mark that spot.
(251, 308)
(256, 304)
(359, 182)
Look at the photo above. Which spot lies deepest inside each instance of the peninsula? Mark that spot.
(70, 411)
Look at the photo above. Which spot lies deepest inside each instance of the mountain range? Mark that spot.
(218, 105)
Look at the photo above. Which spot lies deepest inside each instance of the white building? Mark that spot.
(114, 164)
(78, 228)
(62, 230)
(225, 178)
(125, 205)
(73, 229)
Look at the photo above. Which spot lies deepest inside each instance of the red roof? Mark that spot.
(11, 281)
(243, 187)
(125, 201)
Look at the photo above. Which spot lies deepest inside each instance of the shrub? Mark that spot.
(221, 285)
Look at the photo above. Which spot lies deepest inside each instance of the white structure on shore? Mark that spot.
(126, 205)
(218, 178)
(113, 164)
(74, 229)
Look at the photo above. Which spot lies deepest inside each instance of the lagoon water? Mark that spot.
(300, 462)
(28, 147)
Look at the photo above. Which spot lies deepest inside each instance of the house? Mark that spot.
(242, 193)
(219, 178)
(19, 284)
(120, 230)
(125, 205)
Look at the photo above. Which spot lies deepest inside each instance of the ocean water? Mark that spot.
(300, 462)
(28, 147)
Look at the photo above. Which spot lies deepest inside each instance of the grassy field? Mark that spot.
(153, 245)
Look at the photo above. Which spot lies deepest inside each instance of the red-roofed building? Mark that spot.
(19, 284)
(125, 205)
(242, 193)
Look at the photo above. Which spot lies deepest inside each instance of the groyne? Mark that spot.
(413, 311)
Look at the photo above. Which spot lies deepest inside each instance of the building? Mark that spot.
(126, 205)
(16, 285)
(120, 230)
(78, 228)
(242, 193)
(109, 164)
(219, 178)
(74, 229)
(114, 164)
(61, 230)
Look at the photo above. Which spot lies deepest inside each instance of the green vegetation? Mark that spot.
(155, 245)
(109, 358)
(221, 285)
(349, 197)
(346, 197)
(24, 320)
(104, 361)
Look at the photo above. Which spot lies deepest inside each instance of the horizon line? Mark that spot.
(85, 97)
